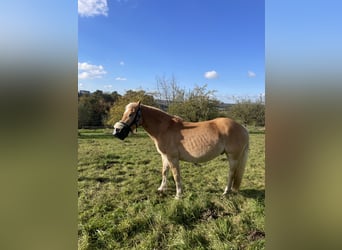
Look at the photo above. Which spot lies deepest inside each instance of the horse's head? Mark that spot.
(130, 120)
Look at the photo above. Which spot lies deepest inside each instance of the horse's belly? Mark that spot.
(200, 153)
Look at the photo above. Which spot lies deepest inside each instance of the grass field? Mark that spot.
(119, 207)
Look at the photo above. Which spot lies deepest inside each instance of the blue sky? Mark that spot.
(126, 44)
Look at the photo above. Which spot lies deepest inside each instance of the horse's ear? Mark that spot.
(139, 102)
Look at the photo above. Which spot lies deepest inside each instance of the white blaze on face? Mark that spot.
(117, 128)
(118, 125)
(127, 112)
(128, 107)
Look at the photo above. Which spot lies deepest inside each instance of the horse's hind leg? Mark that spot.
(233, 165)
(236, 169)
(174, 165)
(165, 170)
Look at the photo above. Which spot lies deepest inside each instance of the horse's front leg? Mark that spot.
(165, 170)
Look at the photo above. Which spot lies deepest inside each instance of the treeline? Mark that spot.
(93, 108)
(100, 109)
(249, 112)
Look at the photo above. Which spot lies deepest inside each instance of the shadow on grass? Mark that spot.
(95, 136)
(85, 135)
(256, 132)
(253, 193)
(102, 179)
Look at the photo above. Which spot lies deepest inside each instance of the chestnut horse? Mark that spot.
(196, 142)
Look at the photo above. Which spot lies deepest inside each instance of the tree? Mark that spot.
(198, 105)
(116, 111)
(249, 112)
(93, 108)
(84, 113)
(204, 103)
(259, 113)
(169, 90)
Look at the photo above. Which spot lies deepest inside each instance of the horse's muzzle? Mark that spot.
(121, 130)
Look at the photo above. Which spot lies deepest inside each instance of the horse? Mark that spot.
(177, 140)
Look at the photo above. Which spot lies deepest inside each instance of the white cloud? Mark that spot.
(122, 63)
(83, 75)
(121, 79)
(211, 74)
(92, 7)
(251, 74)
(108, 86)
(86, 71)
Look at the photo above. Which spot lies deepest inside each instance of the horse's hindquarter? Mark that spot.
(200, 142)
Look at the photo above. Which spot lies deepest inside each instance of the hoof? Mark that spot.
(226, 191)
(161, 190)
(230, 192)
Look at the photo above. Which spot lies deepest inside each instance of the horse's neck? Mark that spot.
(154, 120)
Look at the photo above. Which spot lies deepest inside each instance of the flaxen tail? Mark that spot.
(240, 168)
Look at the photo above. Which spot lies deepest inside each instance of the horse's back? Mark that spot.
(229, 126)
(221, 126)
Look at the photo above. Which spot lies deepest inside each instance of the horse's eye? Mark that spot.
(130, 115)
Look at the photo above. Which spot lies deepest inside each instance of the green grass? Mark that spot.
(119, 207)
